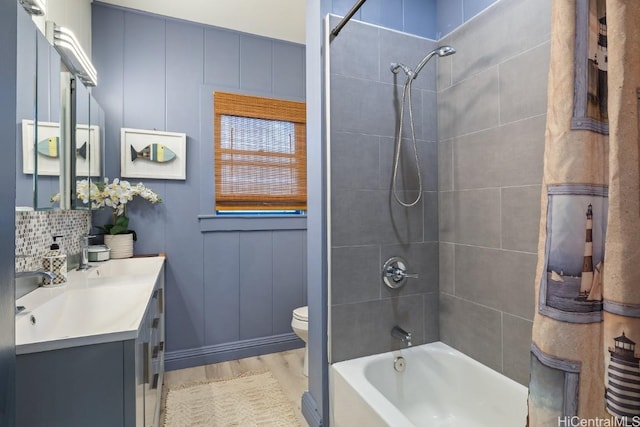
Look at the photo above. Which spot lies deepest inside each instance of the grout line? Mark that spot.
(485, 306)
(500, 216)
(502, 341)
(499, 97)
(490, 248)
(453, 278)
(489, 188)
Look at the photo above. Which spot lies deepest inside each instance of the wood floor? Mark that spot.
(286, 367)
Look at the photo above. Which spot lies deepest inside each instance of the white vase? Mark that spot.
(121, 245)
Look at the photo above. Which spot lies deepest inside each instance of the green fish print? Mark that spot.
(49, 147)
(154, 152)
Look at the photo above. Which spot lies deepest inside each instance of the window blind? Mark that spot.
(259, 153)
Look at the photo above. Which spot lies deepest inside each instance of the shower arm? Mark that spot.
(422, 64)
(347, 17)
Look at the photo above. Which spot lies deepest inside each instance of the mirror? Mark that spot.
(27, 51)
(79, 139)
(47, 148)
(41, 154)
(81, 154)
(38, 101)
(89, 119)
(97, 122)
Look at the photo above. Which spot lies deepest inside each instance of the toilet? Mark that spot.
(300, 325)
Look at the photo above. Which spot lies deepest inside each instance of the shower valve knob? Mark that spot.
(394, 272)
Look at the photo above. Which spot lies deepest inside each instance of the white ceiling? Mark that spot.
(279, 19)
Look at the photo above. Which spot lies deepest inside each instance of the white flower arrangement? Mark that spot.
(115, 195)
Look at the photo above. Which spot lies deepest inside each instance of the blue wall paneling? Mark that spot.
(160, 73)
(288, 275)
(221, 292)
(256, 284)
(184, 245)
(256, 62)
(222, 57)
(108, 58)
(288, 61)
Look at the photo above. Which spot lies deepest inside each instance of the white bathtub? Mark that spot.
(439, 387)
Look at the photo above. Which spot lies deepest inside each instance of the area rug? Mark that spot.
(246, 401)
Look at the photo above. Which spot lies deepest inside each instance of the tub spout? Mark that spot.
(402, 335)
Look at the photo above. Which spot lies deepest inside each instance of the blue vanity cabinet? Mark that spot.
(109, 384)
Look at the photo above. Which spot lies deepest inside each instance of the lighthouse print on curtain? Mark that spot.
(571, 289)
(585, 363)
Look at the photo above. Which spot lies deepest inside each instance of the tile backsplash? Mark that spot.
(35, 231)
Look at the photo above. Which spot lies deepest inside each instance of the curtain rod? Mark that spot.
(347, 17)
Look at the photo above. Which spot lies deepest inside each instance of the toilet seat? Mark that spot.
(301, 314)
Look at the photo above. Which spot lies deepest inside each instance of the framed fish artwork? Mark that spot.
(153, 154)
(48, 149)
(88, 150)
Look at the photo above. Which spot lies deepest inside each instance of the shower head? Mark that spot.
(445, 51)
(440, 51)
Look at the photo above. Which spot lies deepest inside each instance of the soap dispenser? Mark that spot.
(55, 262)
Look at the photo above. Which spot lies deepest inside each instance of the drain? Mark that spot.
(33, 319)
(399, 364)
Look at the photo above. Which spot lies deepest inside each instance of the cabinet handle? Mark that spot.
(161, 345)
(146, 368)
(161, 300)
(155, 322)
(154, 383)
(156, 350)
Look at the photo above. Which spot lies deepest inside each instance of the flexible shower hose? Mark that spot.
(407, 87)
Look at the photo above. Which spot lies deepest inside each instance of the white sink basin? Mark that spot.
(103, 304)
(81, 312)
(123, 267)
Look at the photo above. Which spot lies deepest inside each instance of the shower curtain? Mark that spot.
(585, 353)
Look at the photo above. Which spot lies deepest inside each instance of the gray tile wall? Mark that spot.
(367, 226)
(491, 124)
(453, 13)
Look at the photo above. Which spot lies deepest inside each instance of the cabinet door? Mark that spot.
(71, 387)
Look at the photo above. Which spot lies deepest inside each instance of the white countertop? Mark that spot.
(103, 304)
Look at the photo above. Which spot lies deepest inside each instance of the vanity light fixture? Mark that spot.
(72, 54)
(34, 7)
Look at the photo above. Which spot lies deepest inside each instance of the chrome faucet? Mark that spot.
(84, 252)
(26, 281)
(35, 273)
(402, 335)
